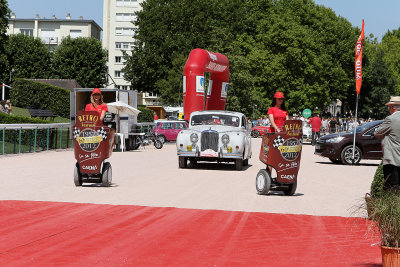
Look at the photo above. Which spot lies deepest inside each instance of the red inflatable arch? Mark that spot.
(201, 61)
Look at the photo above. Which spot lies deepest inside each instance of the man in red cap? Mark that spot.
(277, 113)
(97, 103)
(316, 125)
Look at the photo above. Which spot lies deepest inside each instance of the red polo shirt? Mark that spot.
(279, 117)
(315, 124)
(99, 108)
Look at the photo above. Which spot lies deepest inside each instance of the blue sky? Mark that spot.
(379, 15)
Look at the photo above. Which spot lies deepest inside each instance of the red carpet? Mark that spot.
(69, 234)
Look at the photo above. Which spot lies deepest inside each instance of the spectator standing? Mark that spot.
(316, 125)
(390, 132)
(333, 125)
(324, 125)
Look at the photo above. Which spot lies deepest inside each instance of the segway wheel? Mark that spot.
(291, 190)
(106, 176)
(158, 144)
(263, 182)
(77, 175)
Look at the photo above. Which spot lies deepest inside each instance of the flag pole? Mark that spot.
(355, 129)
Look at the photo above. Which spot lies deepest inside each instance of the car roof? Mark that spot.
(157, 121)
(226, 112)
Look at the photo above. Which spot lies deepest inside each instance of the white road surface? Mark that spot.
(151, 177)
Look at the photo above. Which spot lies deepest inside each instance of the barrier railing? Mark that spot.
(23, 138)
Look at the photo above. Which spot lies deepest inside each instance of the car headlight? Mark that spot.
(335, 139)
(194, 138)
(225, 139)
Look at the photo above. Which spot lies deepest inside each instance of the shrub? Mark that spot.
(145, 115)
(40, 96)
(377, 183)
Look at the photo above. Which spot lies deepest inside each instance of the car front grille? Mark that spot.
(209, 140)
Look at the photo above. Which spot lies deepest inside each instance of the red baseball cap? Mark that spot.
(279, 95)
(96, 91)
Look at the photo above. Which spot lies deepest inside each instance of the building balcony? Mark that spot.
(50, 40)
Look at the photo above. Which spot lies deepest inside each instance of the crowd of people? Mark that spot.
(5, 106)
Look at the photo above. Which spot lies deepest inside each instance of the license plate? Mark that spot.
(209, 153)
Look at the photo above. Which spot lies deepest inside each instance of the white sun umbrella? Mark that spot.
(121, 108)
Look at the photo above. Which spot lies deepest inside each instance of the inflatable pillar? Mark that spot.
(201, 61)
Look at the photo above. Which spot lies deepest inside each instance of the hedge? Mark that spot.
(377, 183)
(11, 119)
(146, 115)
(40, 96)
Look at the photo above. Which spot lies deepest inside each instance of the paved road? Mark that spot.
(151, 177)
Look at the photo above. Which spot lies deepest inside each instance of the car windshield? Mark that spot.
(215, 119)
(365, 126)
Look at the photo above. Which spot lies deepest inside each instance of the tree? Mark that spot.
(391, 48)
(28, 57)
(378, 85)
(82, 59)
(294, 46)
(4, 15)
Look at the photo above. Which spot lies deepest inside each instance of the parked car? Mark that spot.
(339, 147)
(169, 130)
(221, 136)
(260, 130)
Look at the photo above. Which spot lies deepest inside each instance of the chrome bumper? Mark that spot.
(220, 155)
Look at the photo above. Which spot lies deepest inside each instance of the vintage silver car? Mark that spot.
(221, 136)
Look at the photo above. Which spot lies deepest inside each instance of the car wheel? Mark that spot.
(239, 164)
(106, 176)
(162, 138)
(246, 162)
(291, 190)
(77, 175)
(158, 144)
(336, 161)
(347, 155)
(256, 133)
(182, 162)
(263, 182)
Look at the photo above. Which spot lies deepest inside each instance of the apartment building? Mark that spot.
(53, 30)
(118, 31)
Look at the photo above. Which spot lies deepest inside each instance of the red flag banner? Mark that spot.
(358, 63)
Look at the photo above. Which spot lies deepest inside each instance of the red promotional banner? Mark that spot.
(358, 62)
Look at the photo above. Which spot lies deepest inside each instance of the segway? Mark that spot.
(282, 152)
(93, 144)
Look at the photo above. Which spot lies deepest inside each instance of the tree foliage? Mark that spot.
(82, 59)
(4, 16)
(294, 46)
(28, 57)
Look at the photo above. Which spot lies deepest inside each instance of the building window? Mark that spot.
(117, 74)
(118, 45)
(129, 3)
(75, 33)
(151, 94)
(27, 32)
(117, 59)
(125, 17)
(125, 31)
(124, 87)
